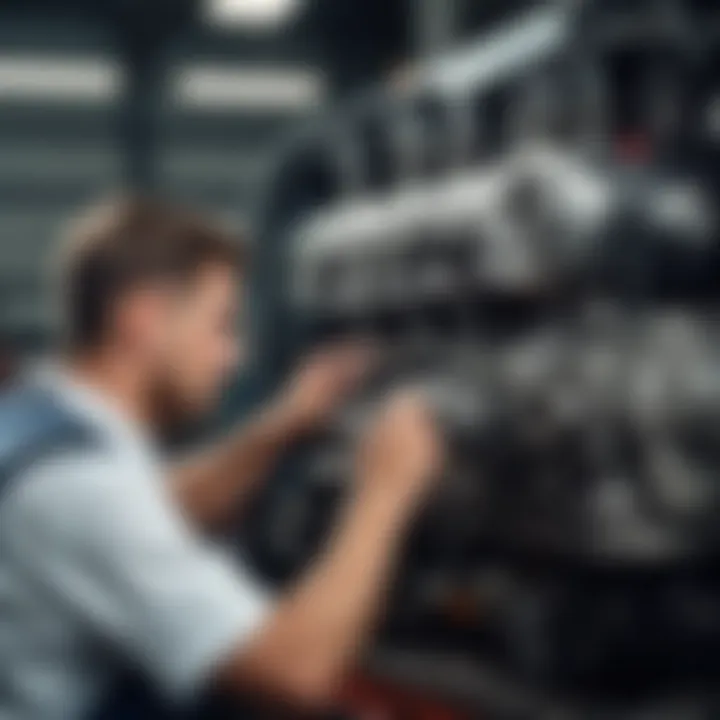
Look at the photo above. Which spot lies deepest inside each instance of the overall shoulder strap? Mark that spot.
(33, 426)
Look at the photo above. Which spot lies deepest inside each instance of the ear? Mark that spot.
(143, 313)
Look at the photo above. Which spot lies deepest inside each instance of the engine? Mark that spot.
(546, 271)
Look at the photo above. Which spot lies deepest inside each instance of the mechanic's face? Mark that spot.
(196, 346)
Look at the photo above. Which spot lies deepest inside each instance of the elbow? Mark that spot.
(303, 685)
(312, 689)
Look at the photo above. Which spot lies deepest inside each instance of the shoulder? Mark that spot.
(41, 438)
(33, 423)
(75, 491)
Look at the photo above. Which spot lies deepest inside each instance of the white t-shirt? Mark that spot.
(97, 564)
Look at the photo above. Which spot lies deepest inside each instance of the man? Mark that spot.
(102, 565)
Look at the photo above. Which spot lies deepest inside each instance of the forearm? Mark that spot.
(212, 484)
(319, 629)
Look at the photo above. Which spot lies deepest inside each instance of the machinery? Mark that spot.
(530, 234)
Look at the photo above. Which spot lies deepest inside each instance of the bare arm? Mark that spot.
(304, 651)
(214, 483)
(314, 636)
(217, 480)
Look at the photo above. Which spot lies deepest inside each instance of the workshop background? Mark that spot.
(192, 98)
(519, 198)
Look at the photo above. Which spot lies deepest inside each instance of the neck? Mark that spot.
(116, 379)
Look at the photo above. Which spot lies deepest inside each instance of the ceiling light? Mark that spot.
(223, 87)
(58, 79)
(260, 13)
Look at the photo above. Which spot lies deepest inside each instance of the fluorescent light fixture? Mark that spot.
(227, 88)
(59, 79)
(254, 13)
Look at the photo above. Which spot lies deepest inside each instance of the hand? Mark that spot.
(322, 384)
(403, 452)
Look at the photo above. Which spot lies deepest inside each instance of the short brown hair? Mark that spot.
(121, 243)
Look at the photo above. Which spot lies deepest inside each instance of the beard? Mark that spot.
(178, 416)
